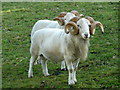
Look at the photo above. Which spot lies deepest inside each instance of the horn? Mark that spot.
(75, 19)
(62, 14)
(60, 21)
(73, 26)
(94, 24)
(97, 23)
(81, 15)
(90, 19)
(92, 28)
(76, 13)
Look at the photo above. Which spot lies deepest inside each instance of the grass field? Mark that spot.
(100, 70)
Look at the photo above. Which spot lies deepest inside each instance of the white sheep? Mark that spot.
(55, 44)
(40, 24)
(62, 19)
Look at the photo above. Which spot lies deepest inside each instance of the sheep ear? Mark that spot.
(75, 19)
(97, 23)
(92, 28)
(60, 21)
(92, 31)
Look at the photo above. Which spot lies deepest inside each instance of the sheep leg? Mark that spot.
(44, 66)
(32, 60)
(75, 64)
(63, 68)
(38, 61)
(71, 72)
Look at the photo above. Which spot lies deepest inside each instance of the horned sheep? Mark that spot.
(55, 44)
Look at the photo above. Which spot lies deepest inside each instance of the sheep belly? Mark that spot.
(52, 55)
(52, 52)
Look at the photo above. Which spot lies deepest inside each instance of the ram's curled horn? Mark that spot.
(76, 13)
(60, 21)
(72, 28)
(62, 14)
(94, 24)
(97, 23)
(75, 19)
(90, 19)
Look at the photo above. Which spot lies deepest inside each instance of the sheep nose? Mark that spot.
(86, 35)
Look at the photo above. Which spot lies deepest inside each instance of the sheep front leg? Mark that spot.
(75, 64)
(32, 60)
(71, 73)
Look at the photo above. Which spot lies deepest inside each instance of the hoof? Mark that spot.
(64, 69)
(75, 81)
(47, 75)
(71, 83)
(30, 76)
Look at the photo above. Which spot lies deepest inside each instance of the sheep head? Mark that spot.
(94, 24)
(81, 28)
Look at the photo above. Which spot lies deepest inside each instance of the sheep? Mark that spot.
(94, 24)
(40, 24)
(62, 19)
(56, 45)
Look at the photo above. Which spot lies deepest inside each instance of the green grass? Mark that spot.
(100, 70)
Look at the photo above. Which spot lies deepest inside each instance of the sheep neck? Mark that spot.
(77, 46)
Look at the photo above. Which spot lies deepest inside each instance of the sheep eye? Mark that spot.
(79, 26)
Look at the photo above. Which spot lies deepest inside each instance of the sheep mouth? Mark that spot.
(86, 38)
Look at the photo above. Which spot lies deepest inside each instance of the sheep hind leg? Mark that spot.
(32, 60)
(63, 68)
(38, 61)
(44, 65)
